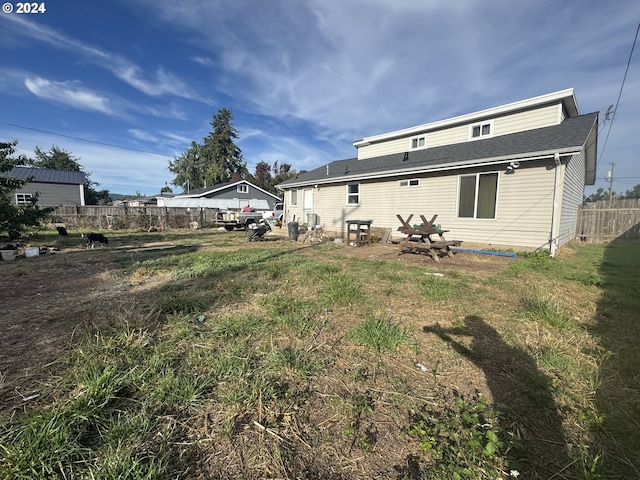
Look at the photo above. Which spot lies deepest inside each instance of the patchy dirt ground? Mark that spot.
(47, 300)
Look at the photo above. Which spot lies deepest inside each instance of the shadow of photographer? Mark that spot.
(522, 395)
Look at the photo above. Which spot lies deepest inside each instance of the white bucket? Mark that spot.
(8, 254)
(31, 251)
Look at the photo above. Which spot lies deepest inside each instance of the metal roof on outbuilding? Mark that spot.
(47, 175)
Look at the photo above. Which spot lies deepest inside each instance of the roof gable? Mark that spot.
(205, 191)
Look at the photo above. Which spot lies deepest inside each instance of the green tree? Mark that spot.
(59, 159)
(56, 159)
(600, 194)
(217, 159)
(263, 177)
(189, 168)
(224, 158)
(633, 193)
(282, 172)
(16, 220)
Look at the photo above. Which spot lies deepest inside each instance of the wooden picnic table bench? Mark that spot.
(419, 238)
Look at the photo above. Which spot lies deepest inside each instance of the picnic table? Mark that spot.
(420, 238)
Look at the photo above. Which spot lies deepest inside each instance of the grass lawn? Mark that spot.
(219, 358)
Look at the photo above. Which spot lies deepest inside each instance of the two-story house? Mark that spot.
(511, 176)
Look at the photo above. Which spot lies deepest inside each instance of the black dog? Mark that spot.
(62, 231)
(92, 238)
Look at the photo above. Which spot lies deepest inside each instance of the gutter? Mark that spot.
(422, 169)
(555, 217)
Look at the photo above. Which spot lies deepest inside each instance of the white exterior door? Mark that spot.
(307, 202)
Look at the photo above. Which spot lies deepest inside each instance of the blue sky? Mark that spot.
(304, 79)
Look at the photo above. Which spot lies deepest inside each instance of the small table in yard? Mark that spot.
(361, 231)
(419, 238)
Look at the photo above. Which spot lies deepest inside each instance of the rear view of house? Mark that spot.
(511, 176)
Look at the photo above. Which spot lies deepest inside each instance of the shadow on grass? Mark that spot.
(618, 331)
(522, 395)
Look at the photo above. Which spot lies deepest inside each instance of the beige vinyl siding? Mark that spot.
(52, 194)
(523, 212)
(386, 148)
(529, 120)
(572, 198)
(516, 122)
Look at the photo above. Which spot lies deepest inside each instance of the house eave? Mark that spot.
(567, 151)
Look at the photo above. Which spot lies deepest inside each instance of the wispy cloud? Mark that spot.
(70, 93)
(158, 83)
(203, 60)
(355, 67)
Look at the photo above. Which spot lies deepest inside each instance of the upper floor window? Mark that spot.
(480, 130)
(477, 195)
(414, 182)
(243, 188)
(418, 142)
(294, 197)
(353, 194)
(23, 198)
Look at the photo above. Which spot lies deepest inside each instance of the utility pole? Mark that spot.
(611, 183)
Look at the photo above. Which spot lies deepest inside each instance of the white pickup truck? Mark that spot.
(276, 215)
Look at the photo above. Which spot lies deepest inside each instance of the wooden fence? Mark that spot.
(123, 217)
(604, 222)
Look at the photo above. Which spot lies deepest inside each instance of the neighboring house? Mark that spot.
(512, 176)
(224, 196)
(140, 202)
(54, 187)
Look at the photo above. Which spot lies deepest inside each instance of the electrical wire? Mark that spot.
(85, 140)
(615, 110)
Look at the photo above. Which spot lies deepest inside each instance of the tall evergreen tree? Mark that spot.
(217, 160)
(223, 155)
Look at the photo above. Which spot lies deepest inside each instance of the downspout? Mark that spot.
(553, 239)
(82, 194)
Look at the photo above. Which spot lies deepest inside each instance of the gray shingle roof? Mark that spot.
(570, 135)
(46, 175)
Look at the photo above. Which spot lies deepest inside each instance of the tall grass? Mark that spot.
(546, 310)
(380, 335)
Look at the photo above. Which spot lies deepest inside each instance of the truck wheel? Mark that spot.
(229, 228)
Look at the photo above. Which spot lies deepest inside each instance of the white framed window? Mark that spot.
(23, 198)
(418, 142)
(243, 188)
(353, 194)
(294, 197)
(481, 130)
(477, 195)
(414, 182)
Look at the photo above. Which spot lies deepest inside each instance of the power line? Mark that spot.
(615, 111)
(85, 140)
(94, 141)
